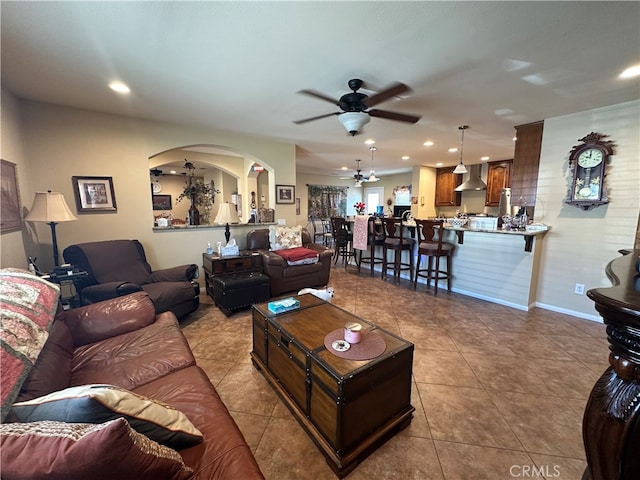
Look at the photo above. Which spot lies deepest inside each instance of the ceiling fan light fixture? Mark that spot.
(460, 168)
(354, 121)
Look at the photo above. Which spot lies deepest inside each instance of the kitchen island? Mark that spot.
(494, 265)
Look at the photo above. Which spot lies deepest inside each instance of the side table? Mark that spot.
(70, 285)
(214, 265)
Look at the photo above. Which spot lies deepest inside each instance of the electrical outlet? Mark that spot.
(579, 289)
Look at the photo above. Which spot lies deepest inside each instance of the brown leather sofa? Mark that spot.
(120, 267)
(288, 278)
(123, 342)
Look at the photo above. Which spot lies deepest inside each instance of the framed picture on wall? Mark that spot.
(286, 194)
(297, 206)
(11, 218)
(162, 202)
(94, 194)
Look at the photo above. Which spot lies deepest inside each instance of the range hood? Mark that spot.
(474, 182)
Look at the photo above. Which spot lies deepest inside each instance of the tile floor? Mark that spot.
(499, 393)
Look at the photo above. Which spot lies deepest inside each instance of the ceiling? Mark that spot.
(237, 66)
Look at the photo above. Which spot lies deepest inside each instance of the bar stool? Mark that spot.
(430, 244)
(375, 238)
(342, 240)
(395, 241)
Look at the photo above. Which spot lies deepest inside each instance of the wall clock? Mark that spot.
(588, 162)
(156, 187)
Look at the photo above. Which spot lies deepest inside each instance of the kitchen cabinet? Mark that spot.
(526, 160)
(498, 177)
(446, 182)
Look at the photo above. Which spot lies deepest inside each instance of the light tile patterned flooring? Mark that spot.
(499, 393)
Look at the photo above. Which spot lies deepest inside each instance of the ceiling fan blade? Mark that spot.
(400, 117)
(321, 96)
(391, 91)
(305, 120)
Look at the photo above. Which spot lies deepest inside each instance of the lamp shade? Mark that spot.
(354, 121)
(50, 207)
(227, 214)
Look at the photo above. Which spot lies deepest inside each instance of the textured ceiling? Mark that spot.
(238, 65)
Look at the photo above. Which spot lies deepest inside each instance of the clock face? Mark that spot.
(590, 158)
(157, 188)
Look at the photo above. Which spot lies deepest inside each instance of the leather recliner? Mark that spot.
(119, 267)
(287, 278)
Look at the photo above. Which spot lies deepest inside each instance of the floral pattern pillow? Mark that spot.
(283, 238)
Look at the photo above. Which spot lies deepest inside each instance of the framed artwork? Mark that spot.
(162, 202)
(94, 194)
(297, 206)
(285, 194)
(11, 219)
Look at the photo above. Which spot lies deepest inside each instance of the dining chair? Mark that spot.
(398, 243)
(430, 244)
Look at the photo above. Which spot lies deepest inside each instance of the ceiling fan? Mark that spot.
(356, 106)
(358, 177)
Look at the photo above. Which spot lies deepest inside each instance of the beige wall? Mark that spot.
(61, 142)
(12, 248)
(581, 243)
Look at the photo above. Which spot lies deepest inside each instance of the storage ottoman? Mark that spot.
(236, 291)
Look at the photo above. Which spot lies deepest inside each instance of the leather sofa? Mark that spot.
(120, 267)
(288, 278)
(123, 342)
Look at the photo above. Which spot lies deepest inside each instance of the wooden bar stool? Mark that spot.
(395, 241)
(430, 244)
(375, 238)
(342, 240)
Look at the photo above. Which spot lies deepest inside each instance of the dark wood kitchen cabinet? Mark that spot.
(498, 177)
(446, 182)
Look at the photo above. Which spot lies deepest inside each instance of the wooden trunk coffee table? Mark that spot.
(348, 407)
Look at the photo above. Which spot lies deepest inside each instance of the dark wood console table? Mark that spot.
(611, 423)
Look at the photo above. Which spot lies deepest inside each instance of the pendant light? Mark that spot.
(372, 174)
(358, 176)
(460, 168)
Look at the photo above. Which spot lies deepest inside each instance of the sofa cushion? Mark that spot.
(69, 451)
(101, 403)
(133, 358)
(28, 305)
(224, 452)
(281, 238)
(52, 370)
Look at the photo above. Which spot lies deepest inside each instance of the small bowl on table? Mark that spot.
(457, 222)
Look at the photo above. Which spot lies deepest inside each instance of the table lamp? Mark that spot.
(50, 207)
(227, 214)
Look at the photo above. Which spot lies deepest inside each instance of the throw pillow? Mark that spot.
(69, 451)
(282, 238)
(101, 403)
(28, 306)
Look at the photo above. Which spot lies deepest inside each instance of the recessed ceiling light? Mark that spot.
(405, 157)
(453, 150)
(484, 159)
(173, 172)
(369, 141)
(514, 138)
(630, 72)
(439, 164)
(428, 143)
(119, 87)
(343, 168)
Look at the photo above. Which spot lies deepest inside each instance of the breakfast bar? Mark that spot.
(494, 266)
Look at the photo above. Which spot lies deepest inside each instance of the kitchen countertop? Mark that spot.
(528, 235)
